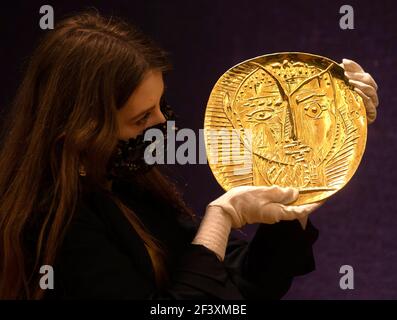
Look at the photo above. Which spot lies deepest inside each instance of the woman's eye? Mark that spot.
(143, 119)
(313, 110)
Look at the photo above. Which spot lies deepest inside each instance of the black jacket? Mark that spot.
(103, 257)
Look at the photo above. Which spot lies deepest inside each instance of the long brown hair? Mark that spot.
(63, 116)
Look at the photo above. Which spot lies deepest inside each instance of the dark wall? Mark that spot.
(357, 225)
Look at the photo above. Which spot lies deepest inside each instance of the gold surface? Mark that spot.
(287, 119)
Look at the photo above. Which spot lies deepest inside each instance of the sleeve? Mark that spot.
(261, 269)
(265, 267)
(93, 266)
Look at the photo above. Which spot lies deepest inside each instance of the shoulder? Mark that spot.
(99, 229)
(96, 214)
(101, 255)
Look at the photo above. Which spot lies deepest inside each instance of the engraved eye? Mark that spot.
(314, 110)
(261, 115)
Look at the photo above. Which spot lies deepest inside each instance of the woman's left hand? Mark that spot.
(364, 85)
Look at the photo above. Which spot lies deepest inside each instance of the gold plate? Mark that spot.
(289, 119)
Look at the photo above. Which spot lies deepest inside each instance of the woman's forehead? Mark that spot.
(146, 95)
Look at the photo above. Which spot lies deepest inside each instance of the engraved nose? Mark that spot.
(291, 132)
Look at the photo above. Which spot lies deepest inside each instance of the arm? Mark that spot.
(246, 205)
(92, 264)
(265, 267)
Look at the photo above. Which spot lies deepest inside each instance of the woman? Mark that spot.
(76, 194)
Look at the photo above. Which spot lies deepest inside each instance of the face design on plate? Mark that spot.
(290, 110)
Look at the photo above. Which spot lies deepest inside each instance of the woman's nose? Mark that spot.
(159, 116)
(156, 118)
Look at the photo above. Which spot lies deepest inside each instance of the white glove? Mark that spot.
(245, 205)
(364, 85)
(261, 204)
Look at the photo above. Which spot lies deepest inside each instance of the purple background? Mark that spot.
(357, 225)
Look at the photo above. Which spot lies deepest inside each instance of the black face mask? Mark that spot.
(128, 158)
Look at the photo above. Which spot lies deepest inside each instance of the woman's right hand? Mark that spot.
(261, 204)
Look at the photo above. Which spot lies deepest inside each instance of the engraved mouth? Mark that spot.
(289, 153)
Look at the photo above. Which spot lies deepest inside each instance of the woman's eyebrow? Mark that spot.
(148, 109)
(142, 113)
